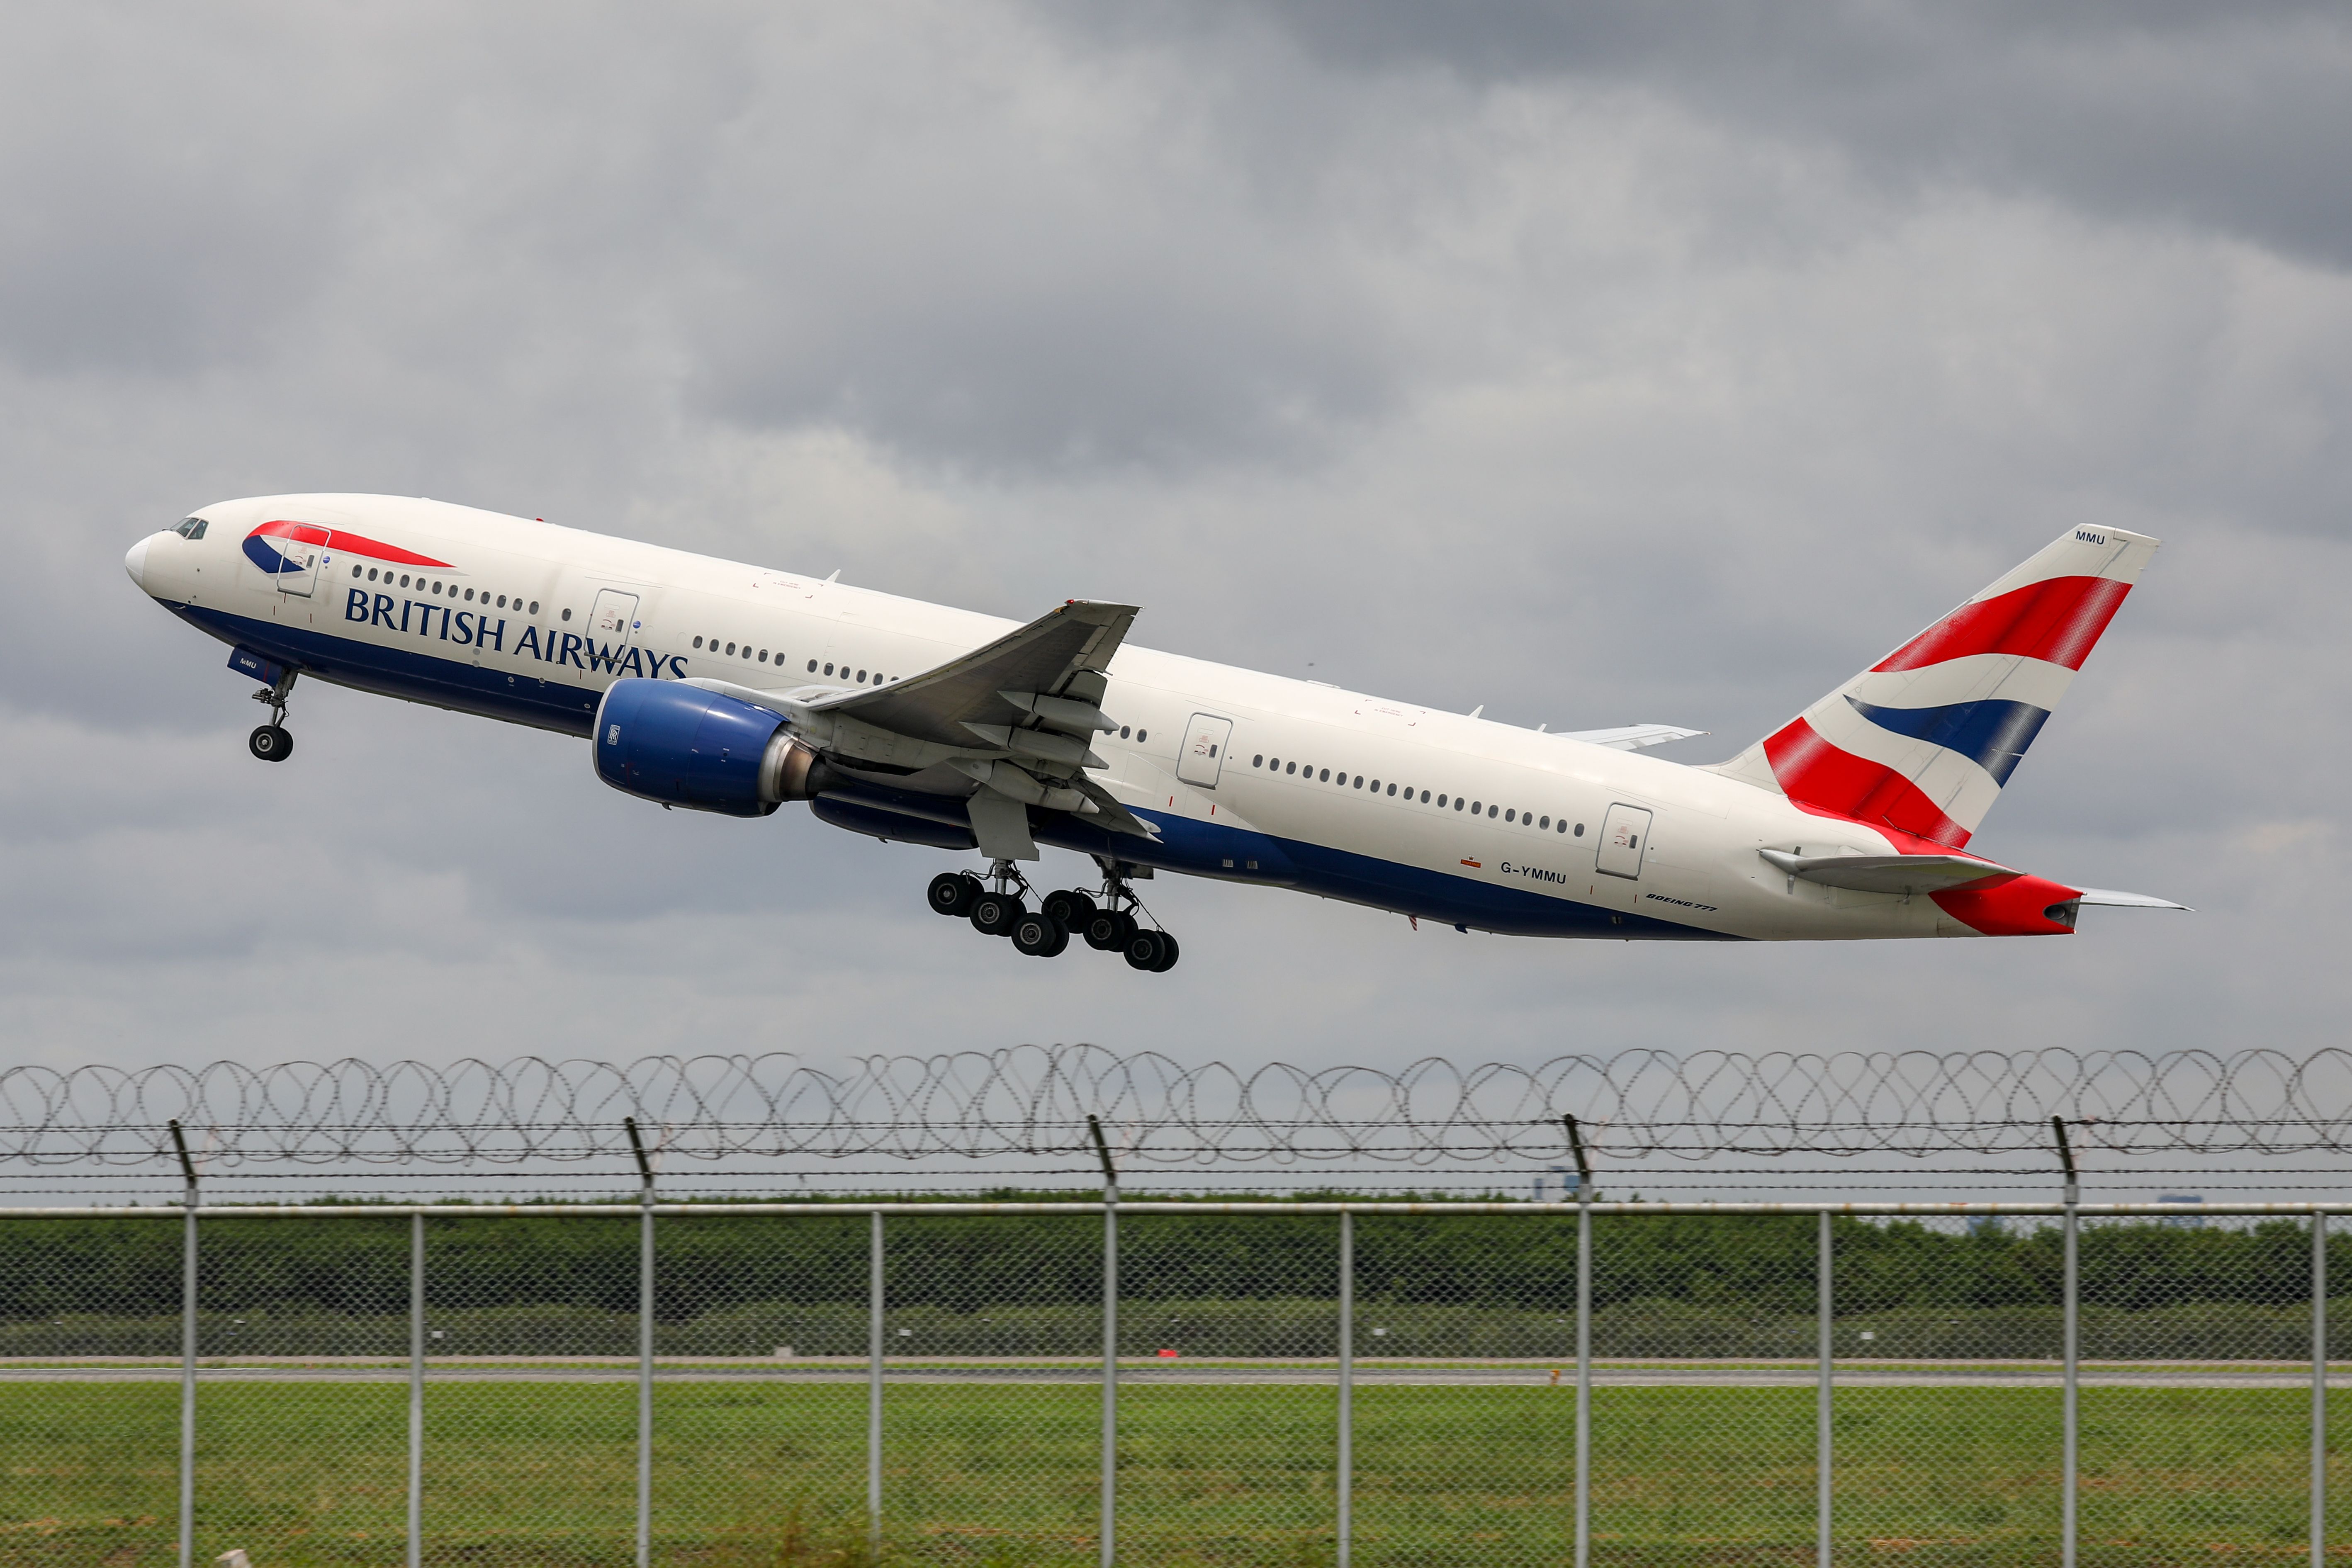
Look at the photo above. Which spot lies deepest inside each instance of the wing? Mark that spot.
(1062, 654)
(1628, 737)
(1014, 717)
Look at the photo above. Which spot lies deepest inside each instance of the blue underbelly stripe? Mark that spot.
(488, 692)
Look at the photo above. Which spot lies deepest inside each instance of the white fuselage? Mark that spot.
(498, 624)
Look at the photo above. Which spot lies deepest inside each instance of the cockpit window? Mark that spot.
(191, 528)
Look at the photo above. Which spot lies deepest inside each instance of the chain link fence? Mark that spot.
(726, 1384)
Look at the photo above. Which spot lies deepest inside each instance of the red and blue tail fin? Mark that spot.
(1922, 740)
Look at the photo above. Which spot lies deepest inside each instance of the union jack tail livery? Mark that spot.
(1922, 741)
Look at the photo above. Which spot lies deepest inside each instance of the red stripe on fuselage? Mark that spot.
(1813, 773)
(342, 538)
(2057, 620)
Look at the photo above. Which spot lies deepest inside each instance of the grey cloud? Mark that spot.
(1674, 385)
(2232, 117)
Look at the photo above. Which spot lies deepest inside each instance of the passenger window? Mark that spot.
(1141, 736)
(861, 678)
(1564, 825)
(436, 590)
(567, 615)
(1579, 830)
(1492, 809)
(811, 666)
(1441, 803)
(355, 571)
(1326, 777)
(1290, 767)
(697, 642)
(1392, 789)
(1123, 732)
(404, 579)
(534, 607)
(469, 595)
(371, 573)
(502, 600)
(1424, 798)
(1359, 781)
(828, 670)
(1545, 823)
(763, 655)
(1511, 815)
(1258, 760)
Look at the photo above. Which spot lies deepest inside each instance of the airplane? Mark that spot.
(720, 686)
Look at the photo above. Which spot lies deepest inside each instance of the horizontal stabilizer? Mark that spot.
(2128, 901)
(1886, 873)
(1628, 737)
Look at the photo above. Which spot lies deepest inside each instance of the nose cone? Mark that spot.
(136, 563)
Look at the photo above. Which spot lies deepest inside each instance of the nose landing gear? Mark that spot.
(1106, 920)
(270, 742)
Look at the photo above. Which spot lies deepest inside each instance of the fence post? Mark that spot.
(1824, 1434)
(1347, 1461)
(874, 1385)
(415, 1390)
(1584, 1508)
(2318, 1389)
(187, 1352)
(1110, 1554)
(2072, 1439)
(644, 1346)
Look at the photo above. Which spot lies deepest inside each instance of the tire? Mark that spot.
(1167, 954)
(1040, 935)
(1144, 949)
(1107, 930)
(952, 893)
(994, 914)
(1072, 908)
(270, 742)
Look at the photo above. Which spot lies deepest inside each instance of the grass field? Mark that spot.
(308, 1475)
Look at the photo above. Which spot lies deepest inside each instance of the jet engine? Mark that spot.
(680, 745)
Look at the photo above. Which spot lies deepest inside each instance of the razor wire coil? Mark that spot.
(1034, 1101)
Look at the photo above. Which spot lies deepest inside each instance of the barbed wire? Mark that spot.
(1036, 1101)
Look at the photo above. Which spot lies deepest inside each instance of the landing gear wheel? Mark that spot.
(1072, 908)
(1150, 950)
(1040, 935)
(1167, 954)
(994, 914)
(270, 742)
(1107, 931)
(952, 892)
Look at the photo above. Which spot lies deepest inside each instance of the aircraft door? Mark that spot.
(1203, 755)
(299, 575)
(1624, 833)
(614, 615)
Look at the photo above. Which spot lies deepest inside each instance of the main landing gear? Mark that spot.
(1106, 919)
(270, 742)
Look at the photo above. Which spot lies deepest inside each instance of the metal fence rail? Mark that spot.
(1157, 1381)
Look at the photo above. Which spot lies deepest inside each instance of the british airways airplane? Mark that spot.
(728, 687)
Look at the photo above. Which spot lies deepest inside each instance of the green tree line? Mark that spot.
(1761, 1266)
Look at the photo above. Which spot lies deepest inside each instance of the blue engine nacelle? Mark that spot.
(679, 745)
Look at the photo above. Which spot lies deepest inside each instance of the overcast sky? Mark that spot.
(1598, 364)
